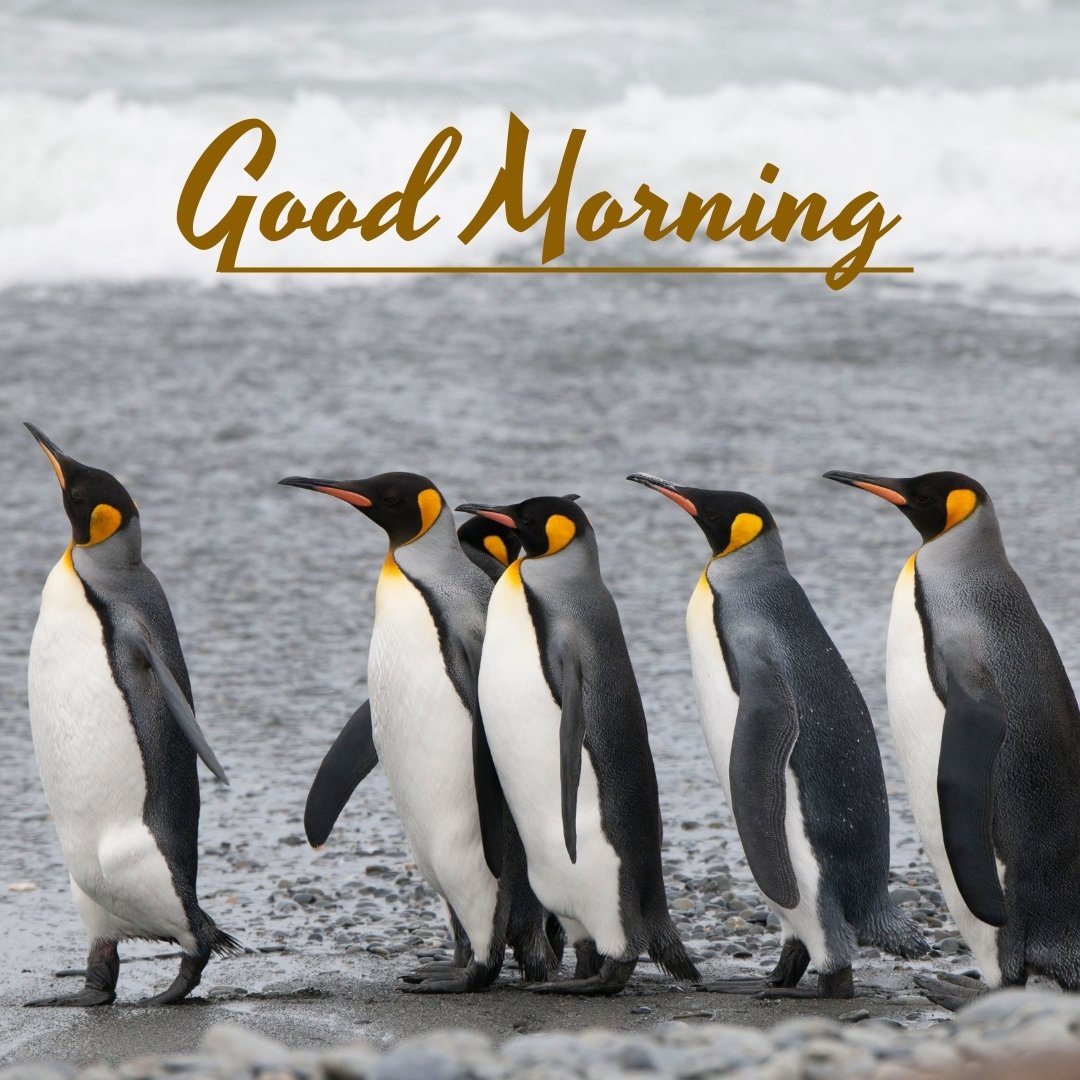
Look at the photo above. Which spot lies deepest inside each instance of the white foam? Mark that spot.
(985, 180)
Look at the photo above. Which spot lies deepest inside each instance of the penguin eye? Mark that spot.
(923, 499)
(391, 498)
(77, 498)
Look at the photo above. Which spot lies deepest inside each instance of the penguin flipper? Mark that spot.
(490, 801)
(973, 733)
(489, 797)
(766, 727)
(175, 700)
(351, 757)
(571, 740)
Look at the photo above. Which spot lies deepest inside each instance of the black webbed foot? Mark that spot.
(466, 980)
(189, 976)
(951, 991)
(102, 971)
(610, 979)
(837, 984)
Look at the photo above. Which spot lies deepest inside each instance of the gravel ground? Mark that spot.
(202, 400)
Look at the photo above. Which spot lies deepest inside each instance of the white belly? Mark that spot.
(93, 773)
(917, 717)
(522, 723)
(718, 705)
(423, 734)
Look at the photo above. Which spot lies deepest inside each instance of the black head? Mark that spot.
(933, 502)
(406, 505)
(729, 519)
(96, 503)
(544, 525)
(493, 537)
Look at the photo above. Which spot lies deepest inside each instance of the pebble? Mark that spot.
(904, 895)
(853, 1017)
(349, 1062)
(239, 1045)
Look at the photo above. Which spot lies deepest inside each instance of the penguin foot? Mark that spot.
(611, 979)
(85, 998)
(836, 984)
(746, 985)
(951, 991)
(454, 980)
(588, 961)
(189, 976)
(102, 971)
(435, 969)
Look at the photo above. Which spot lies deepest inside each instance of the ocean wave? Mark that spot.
(985, 181)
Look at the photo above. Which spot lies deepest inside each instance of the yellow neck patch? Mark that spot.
(560, 531)
(495, 547)
(958, 506)
(430, 503)
(744, 528)
(104, 521)
(513, 573)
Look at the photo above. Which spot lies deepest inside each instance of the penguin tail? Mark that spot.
(895, 931)
(222, 944)
(535, 956)
(667, 951)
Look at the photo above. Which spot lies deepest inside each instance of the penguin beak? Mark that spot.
(672, 491)
(884, 487)
(493, 513)
(57, 458)
(340, 489)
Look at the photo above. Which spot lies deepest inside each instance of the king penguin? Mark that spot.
(794, 747)
(492, 547)
(116, 740)
(988, 734)
(567, 733)
(424, 726)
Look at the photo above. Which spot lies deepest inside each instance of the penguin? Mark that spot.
(423, 725)
(795, 750)
(568, 737)
(490, 544)
(988, 734)
(116, 738)
(492, 547)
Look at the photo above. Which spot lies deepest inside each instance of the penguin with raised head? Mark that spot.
(567, 733)
(492, 547)
(425, 726)
(988, 734)
(116, 739)
(794, 747)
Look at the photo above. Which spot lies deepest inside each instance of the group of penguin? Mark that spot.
(506, 716)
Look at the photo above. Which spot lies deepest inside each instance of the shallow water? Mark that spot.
(201, 399)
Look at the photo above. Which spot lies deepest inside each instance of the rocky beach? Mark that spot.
(198, 401)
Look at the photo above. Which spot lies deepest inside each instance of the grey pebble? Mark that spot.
(240, 1045)
(349, 1062)
(410, 1063)
(904, 895)
(853, 1017)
